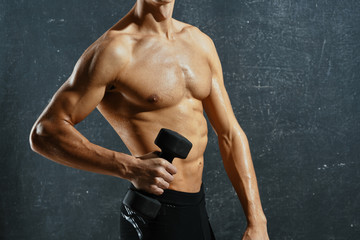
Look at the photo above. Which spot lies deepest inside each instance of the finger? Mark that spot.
(161, 183)
(156, 190)
(170, 168)
(165, 175)
(149, 156)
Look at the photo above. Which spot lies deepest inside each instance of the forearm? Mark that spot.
(238, 164)
(61, 142)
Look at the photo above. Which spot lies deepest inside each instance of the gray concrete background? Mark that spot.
(292, 72)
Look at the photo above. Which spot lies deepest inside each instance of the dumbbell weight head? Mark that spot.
(172, 144)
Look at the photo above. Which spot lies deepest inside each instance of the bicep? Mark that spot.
(82, 92)
(217, 105)
(219, 110)
(74, 101)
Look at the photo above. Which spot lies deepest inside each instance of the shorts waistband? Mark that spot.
(176, 197)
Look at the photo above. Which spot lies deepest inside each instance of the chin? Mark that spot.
(163, 1)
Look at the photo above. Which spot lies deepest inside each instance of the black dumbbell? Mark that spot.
(172, 145)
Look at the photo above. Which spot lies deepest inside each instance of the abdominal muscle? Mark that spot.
(139, 130)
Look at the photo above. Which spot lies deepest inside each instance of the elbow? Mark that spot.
(232, 133)
(37, 136)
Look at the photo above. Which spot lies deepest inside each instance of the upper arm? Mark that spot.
(217, 105)
(85, 88)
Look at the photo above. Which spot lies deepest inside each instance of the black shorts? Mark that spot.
(182, 216)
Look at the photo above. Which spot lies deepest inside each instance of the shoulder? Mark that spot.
(109, 48)
(203, 44)
(198, 38)
(102, 61)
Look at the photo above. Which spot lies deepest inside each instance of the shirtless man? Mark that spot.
(150, 71)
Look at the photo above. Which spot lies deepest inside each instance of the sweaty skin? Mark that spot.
(150, 71)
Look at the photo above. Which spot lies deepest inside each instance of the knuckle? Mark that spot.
(159, 171)
(156, 172)
(157, 181)
(163, 163)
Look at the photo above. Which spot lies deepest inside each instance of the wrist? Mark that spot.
(124, 165)
(258, 219)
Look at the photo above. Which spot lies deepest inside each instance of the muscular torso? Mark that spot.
(162, 85)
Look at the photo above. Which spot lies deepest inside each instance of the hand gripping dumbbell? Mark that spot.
(172, 145)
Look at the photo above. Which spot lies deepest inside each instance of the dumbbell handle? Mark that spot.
(167, 156)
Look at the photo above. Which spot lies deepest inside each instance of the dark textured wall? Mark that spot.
(292, 70)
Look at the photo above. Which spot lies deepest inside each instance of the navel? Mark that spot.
(111, 87)
(154, 98)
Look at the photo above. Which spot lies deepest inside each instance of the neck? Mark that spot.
(155, 17)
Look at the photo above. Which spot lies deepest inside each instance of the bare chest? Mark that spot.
(161, 76)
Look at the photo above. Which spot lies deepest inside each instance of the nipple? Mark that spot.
(153, 98)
